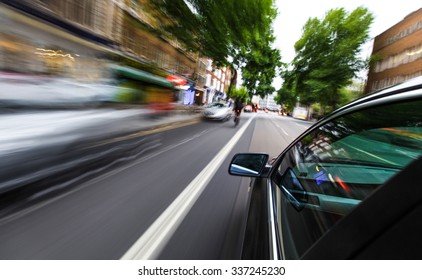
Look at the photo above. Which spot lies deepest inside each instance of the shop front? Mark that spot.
(31, 47)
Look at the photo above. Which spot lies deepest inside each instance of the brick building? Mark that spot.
(399, 50)
(217, 82)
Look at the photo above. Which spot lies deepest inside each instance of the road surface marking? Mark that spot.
(372, 155)
(155, 238)
(282, 129)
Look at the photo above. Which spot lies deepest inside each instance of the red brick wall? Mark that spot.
(399, 38)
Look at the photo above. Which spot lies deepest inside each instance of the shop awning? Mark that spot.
(177, 80)
(142, 76)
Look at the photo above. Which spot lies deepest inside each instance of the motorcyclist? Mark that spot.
(237, 108)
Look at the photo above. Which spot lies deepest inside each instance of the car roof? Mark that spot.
(410, 89)
(397, 91)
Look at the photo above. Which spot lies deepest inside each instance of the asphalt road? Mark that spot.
(177, 199)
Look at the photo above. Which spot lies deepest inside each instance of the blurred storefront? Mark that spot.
(28, 46)
(199, 96)
(79, 39)
(189, 94)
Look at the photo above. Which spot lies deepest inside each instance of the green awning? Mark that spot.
(140, 75)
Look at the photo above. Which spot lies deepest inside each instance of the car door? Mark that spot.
(327, 173)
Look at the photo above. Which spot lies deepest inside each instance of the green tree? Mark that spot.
(327, 56)
(235, 33)
(286, 97)
(349, 94)
(241, 93)
(261, 68)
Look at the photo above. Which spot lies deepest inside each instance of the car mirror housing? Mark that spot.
(248, 164)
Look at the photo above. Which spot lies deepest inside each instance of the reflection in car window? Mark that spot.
(340, 164)
(217, 105)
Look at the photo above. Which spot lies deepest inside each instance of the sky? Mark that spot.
(293, 14)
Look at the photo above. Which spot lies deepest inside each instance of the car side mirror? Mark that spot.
(248, 164)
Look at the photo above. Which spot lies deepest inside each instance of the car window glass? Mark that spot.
(332, 169)
(217, 105)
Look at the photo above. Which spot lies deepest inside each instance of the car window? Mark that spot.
(217, 105)
(336, 166)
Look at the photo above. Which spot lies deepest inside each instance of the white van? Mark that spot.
(300, 113)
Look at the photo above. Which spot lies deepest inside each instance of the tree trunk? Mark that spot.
(233, 80)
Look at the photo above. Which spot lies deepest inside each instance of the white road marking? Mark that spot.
(282, 129)
(151, 243)
(372, 155)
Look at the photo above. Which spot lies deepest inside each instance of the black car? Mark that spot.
(347, 188)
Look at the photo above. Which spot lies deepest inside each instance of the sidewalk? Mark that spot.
(41, 144)
(177, 117)
(151, 119)
(22, 129)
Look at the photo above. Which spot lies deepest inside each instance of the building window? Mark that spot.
(208, 80)
(407, 56)
(80, 11)
(209, 65)
(410, 30)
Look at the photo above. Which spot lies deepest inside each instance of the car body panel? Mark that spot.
(217, 111)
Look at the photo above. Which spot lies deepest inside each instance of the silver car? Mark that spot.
(218, 111)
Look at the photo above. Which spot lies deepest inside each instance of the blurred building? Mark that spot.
(33, 42)
(217, 82)
(78, 38)
(138, 38)
(267, 102)
(399, 50)
(89, 15)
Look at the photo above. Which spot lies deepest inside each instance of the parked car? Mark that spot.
(218, 111)
(347, 188)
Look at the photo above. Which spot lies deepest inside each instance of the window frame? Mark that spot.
(367, 103)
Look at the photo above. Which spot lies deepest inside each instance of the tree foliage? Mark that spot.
(260, 69)
(286, 97)
(327, 56)
(241, 93)
(231, 32)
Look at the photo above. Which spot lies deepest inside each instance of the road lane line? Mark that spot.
(372, 155)
(155, 238)
(282, 129)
